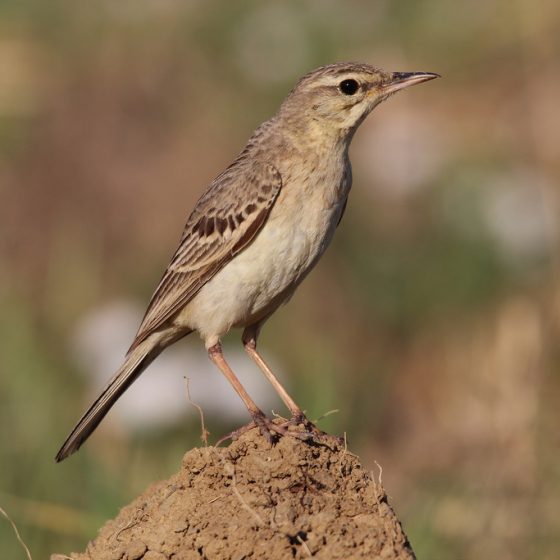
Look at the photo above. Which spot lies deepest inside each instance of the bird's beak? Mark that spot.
(401, 80)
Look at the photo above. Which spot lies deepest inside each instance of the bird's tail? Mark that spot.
(135, 363)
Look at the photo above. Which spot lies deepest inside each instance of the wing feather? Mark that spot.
(224, 221)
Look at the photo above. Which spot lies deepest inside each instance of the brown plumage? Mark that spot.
(205, 246)
(257, 231)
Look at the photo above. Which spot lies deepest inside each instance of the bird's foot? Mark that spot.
(313, 433)
(273, 429)
(269, 429)
(233, 435)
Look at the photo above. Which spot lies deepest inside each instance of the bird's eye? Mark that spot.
(348, 87)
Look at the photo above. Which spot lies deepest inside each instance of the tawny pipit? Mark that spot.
(257, 231)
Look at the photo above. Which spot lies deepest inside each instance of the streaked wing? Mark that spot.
(346, 181)
(224, 221)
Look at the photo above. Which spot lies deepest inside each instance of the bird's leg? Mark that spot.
(265, 425)
(250, 343)
(216, 355)
(250, 335)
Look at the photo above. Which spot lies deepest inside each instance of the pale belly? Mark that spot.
(264, 275)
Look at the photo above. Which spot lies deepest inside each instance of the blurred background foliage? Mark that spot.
(431, 323)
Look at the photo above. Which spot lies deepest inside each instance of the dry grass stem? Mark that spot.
(205, 433)
(18, 536)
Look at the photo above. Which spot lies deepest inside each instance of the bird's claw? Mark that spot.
(272, 430)
(311, 430)
(235, 434)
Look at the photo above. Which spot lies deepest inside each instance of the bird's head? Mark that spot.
(338, 97)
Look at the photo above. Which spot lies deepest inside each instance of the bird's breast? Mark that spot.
(255, 282)
(302, 223)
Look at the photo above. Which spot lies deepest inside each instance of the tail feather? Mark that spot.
(136, 362)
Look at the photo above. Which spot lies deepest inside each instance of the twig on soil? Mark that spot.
(205, 433)
(18, 537)
(170, 493)
(215, 499)
(244, 503)
(276, 415)
(344, 452)
(304, 545)
(135, 521)
(378, 485)
(328, 413)
(380, 475)
(272, 524)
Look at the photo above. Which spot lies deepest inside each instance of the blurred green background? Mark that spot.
(432, 322)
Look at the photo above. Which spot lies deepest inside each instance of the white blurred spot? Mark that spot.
(520, 210)
(517, 208)
(158, 398)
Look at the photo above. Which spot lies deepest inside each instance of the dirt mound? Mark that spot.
(254, 500)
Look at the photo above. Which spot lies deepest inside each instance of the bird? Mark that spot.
(256, 232)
